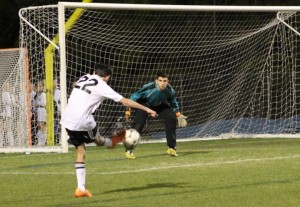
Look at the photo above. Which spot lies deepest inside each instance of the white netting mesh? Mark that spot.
(13, 105)
(233, 72)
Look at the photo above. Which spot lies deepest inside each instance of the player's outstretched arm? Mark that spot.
(130, 103)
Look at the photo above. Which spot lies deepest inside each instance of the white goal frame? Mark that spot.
(110, 6)
(149, 7)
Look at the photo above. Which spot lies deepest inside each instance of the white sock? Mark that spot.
(80, 174)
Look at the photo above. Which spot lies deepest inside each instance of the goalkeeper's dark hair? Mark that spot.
(102, 70)
(161, 74)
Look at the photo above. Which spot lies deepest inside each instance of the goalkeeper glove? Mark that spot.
(127, 114)
(181, 119)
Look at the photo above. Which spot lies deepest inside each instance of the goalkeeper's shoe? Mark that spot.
(118, 138)
(78, 193)
(129, 155)
(172, 152)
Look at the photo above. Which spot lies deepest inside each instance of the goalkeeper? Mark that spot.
(160, 97)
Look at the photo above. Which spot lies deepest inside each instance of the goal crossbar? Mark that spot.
(163, 7)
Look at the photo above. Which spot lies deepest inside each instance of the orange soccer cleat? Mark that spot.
(78, 193)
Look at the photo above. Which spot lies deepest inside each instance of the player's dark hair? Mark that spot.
(161, 74)
(102, 70)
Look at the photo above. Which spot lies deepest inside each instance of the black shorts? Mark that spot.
(77, 138)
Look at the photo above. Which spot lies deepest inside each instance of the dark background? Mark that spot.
(9, 19)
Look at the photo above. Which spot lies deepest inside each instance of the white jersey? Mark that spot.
(88, 93)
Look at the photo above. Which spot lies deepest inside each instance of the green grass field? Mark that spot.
(217, 173)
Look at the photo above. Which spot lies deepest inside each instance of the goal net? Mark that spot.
(14, 109)
(235, 72)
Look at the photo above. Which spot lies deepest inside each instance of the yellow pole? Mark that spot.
(49, 60)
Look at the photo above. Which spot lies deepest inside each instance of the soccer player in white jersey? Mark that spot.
(40, 105)
(87, 95)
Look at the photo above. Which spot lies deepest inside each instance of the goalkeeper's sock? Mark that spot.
(80, 174)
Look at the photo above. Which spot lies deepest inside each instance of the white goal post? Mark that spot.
(234, 68)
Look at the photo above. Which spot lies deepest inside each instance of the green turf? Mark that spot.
(233, 173)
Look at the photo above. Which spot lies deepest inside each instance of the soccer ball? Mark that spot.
(132, 138)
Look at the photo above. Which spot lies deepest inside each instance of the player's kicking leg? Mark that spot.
(118, 137)
(110, 143)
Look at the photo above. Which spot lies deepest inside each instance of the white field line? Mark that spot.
(219, 163)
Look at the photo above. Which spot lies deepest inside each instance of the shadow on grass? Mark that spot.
(183, 153)
(148, 186)
(186, 153)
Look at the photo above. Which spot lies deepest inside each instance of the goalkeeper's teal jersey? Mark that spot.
(150, 95)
